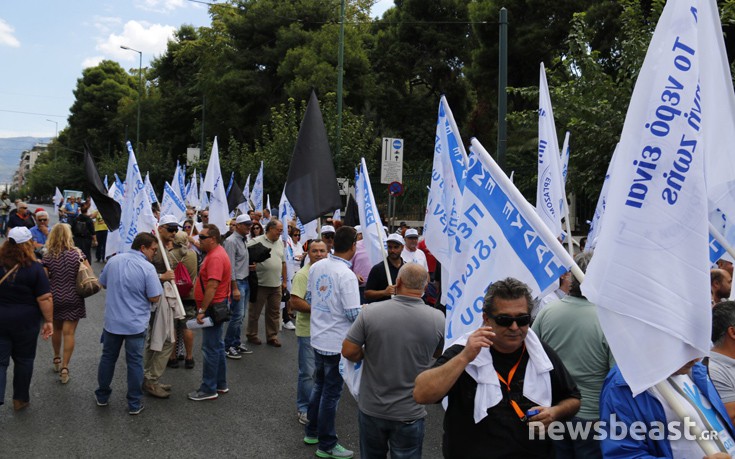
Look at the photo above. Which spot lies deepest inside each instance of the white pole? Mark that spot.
(708, 446)
(164, 255)
(721, 240)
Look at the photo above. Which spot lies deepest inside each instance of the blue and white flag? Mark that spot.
(115, 193)
(192, 196)
(550, 190)
(203, 198)
(257, 196)
(58, 198)
(171, 204)
(596, 222)
(565, 152)
(214, 184)
(650, 274)
(337, 215)
(370, 222)
(177, 183)
(287, 213)
(499, 235)
(120, 185)
(447, 183)
(137, 216)
(105, 182)
(246, 193)
(149, 189)
(232, 180)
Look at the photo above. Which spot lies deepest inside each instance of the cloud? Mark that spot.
(106, 24)
(151, 39)
(92, 61)
(159, 6)
(6, 35)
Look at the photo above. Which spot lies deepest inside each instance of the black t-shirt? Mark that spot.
(501, 434)
(377, 280)
(18, 306)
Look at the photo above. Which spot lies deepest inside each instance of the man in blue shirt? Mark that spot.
(132, 285)
(42, 229)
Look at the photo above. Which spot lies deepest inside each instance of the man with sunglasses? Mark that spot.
(328, 236)
(377, 286)
(41, 230)
(501, 381)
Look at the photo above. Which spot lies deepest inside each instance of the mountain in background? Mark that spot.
(10, 150)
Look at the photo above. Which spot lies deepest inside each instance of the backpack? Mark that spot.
(183, 280)
(80, 228)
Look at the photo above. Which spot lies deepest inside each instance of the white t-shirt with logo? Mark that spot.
(417, 256)
(333, 289)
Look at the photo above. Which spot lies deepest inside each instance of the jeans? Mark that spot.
(306, 373)
(21, 346)
(405, 439)
(324, 399)
(111, 344)
(101, 244)
(578, 448)
(238, 309)
(214, 368)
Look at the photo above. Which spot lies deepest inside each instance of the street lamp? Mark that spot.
(56, 135)
(140, 91)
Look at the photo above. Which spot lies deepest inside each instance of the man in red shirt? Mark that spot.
(211, 287)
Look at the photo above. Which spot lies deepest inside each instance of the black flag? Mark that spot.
(235, 198)
(351, 217)
(108, 207)
(311, 186)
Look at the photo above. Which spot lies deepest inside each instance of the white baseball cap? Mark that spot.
(244, 218)
(168, 219)
(358, 228)
(328, 229)
(411, 233)
(20, 234)
(396, 238)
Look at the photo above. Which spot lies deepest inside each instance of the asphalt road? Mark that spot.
(256, 419)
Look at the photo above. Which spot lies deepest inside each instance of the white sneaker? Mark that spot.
(289, 325)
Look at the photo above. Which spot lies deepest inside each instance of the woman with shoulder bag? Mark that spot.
(181, 254)
(25, 302)
(62, 262)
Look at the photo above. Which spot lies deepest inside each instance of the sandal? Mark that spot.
(57, 364)
(64, 375)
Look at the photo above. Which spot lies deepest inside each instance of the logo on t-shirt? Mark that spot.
(324, 288)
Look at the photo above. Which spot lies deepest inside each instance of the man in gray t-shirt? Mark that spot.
(400, 335)
(722, 359)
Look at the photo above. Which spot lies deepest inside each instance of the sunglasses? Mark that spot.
(43, 219)
(296, 235)
(203, 237)
(171, 229)
(187, 227)
(328, 236)
(507, 321)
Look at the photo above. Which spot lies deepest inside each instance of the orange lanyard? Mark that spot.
(512, 373)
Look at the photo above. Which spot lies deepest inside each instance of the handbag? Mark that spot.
(182, 279)
(87, 283)
(218, 312)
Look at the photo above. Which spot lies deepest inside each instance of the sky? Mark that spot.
(45, 45)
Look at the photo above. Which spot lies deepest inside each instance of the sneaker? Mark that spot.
(243, 349)
(155, 390)
(136, 411)
(189, 363)
(232, 353)
(199, 396)
(289, 325)
(311, 440)
(100, 402)
(223, 391)
(338, 452)
(303, 420)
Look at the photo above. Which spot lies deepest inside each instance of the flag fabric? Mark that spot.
(115, 193)
(203, 198)
(268, 203)
(372, 225)
(246, 191)
(171, 204)
(177, 183)
(229, 185)
(58, 198)
(596, 222)
(257, 195)
(447, 183)
(120, 185)
(311, 185)
(235, 198)
(105, 182)
(650, 274)
(149, 189)
(286, 213)
(108, 207)
(214, 185)
(137, 216)
(499, 235)
(337, 216)
(565, 152)
(352, 216)
(549, 191)
(192, 196)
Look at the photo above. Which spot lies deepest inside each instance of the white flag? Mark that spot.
(115, 193)
(447, 182)
(58, 198)
(171, 204)
(149, 188)
(549, 191)
(177, 183)
(269, 203)
(499, 235)
(192, 197)
(337, 215)
(650, 274)
(257, 195)
(136, 216)
(287, 213)
(596, 222)
(215, 186)
(565, 152)
(369, 218)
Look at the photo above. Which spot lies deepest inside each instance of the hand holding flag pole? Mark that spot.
(164, 255)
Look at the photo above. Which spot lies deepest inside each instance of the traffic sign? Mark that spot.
(395, 188)
(392, 161)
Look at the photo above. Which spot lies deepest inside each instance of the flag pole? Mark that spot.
(708, 446)
(164, 255)
(721, 240)
(379, 229)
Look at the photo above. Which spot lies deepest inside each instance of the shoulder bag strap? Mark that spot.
(8, 273)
